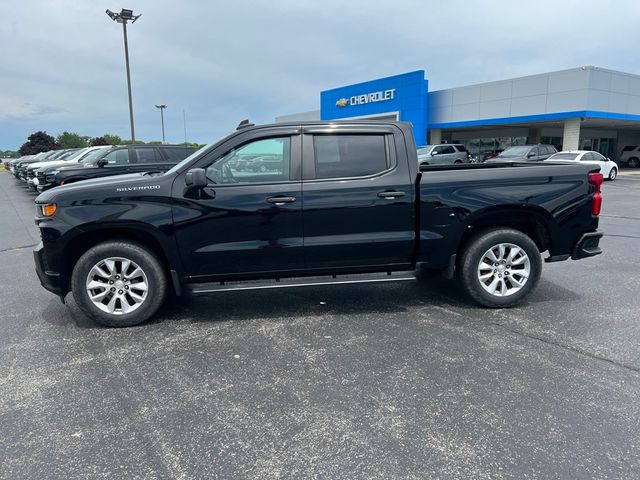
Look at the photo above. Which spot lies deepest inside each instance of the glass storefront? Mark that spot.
(605, 146)
(491, 146)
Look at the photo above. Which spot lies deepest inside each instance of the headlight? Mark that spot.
(47, 209)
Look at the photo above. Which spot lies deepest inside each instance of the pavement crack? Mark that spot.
(17, 248)
(565, 346)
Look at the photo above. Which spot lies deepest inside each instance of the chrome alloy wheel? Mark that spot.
(117, 285)
(504, 269)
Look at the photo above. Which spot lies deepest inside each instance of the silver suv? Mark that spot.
(443, 154)
(631, 156)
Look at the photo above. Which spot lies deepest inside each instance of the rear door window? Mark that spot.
(146, 155)
(339, 156)
(176, 154)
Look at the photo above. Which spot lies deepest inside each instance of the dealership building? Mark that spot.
(588, 108)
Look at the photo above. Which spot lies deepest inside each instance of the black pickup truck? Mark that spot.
(346, 203)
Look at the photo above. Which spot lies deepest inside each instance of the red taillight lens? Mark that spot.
(596, 179)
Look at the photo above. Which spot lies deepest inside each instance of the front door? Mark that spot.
(358, 198)
(245, 221)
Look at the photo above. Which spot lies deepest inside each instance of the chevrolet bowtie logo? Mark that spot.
(343, 102)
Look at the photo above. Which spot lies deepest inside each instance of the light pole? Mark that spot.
(162, 107)
(123, 17)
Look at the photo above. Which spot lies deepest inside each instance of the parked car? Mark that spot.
(608, 167)
(20, 170)
(121, 160)
(630, 156)
(349, 199)
(443, 154)
(266, 163)
(524, 153)
(45, 175)
(60, 160)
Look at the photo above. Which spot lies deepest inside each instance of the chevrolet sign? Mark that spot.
(381, 96)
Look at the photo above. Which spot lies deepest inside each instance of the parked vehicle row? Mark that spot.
(60, 167)
(344, 201)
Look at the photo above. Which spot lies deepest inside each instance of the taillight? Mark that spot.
(595, 179)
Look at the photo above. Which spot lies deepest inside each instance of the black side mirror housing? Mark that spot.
(102, 162)
(531, 155)
(196, 178)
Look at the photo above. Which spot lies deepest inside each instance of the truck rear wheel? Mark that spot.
(499, 267)
(118, 284)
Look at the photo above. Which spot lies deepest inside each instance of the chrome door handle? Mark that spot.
(279, 201)
(391, 195)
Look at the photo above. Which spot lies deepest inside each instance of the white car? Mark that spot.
(608, 167)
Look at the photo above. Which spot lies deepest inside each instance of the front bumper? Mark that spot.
(48, 279)
(587, 246)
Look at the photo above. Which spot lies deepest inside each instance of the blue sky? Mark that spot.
(62, 62)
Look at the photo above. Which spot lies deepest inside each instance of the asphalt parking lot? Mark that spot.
(405, 380)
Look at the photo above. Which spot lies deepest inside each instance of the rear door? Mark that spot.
(357, 197)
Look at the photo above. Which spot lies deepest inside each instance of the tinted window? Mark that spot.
(146, 155)
(597, 156)
(448, 149)
(177, 154)
(564, 156)
(461, 148)
(265, 160)
(587, 157)
(628, 148)
(117, 157)
(339, 156)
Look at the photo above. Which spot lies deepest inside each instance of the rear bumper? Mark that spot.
(48, 279)
(587, 246)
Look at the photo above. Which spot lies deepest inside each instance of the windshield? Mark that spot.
(515, 152)
(93, 154)
(177, 167)
(68, 155)
(76, 154)
(425, 150)
(563, 156)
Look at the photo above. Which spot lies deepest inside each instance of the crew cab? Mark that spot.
(119, 160)
(347, 204)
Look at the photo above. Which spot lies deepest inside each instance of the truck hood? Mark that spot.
(52, 163)
(131, 182)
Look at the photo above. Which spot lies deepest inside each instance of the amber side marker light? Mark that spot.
(49, 209)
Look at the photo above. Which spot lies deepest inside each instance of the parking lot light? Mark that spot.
(162, 107)
(123, 17)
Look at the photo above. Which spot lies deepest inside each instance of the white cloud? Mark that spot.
(224, 61)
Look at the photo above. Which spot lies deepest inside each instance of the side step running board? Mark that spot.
(204, 288)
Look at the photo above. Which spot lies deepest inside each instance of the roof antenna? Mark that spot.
(244, 124)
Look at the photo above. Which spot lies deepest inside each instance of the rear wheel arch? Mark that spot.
(532, 221)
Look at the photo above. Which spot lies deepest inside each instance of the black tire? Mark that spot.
(613, 174)
(472, 255)
(634, 162)
(156, 277)
(457, 161)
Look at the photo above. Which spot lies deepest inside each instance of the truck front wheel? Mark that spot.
(118, 284)
(499, 267)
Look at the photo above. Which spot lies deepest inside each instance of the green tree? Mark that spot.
(9, 154)
(112, 139)
(154, 142)
(97, 141)
(38, 142)
(71, 140)
(129, 142)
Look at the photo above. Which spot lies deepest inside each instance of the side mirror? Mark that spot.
(433, 152)
(102, 162)
(531, 155)
(196, 178)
